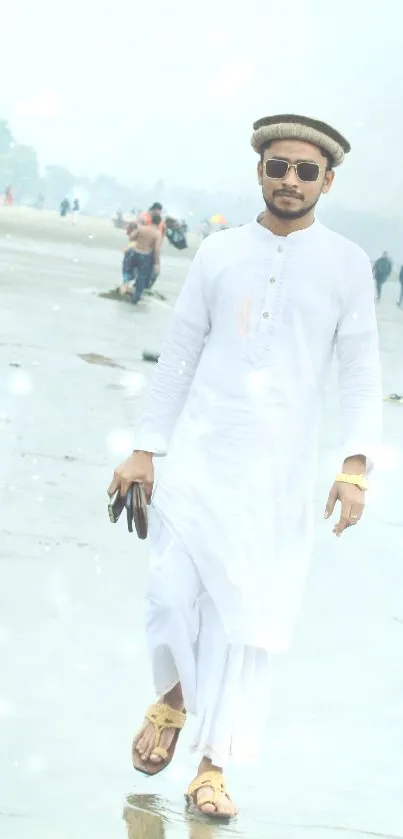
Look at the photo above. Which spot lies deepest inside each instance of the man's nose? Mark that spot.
(291, 177)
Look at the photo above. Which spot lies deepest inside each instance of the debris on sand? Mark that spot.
(394, 397)
(150, 356)
(114, 294)
(102, 360)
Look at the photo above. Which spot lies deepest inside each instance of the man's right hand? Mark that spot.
(138, 468)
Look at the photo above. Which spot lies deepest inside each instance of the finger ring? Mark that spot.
(353, 517)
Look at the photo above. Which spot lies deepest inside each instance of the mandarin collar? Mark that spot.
(267, 234)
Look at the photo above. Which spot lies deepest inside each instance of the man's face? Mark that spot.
(290, 197)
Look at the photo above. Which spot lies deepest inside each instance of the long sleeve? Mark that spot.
(359, 368)
(178, 362)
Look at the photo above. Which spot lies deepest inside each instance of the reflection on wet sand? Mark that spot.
(202, 830)
(146, 818)
(141, 822)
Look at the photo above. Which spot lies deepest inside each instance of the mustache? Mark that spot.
(288, 193)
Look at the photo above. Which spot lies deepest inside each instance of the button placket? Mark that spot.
(271, 290)
(271, 296)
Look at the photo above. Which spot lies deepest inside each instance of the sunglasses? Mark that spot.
(305, 170)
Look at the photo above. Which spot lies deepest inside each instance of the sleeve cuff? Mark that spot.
(147, 441)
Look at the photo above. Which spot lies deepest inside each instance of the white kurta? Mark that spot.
(226, 686)
(235, 405)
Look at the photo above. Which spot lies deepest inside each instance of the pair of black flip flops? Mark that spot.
(136, 509)
(135, 503)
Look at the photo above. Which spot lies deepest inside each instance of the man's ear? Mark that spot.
(327, 183)
(260, 172)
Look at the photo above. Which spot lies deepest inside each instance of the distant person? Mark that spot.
(175, 233)
(400, 300)
(382, 270)
(39, 203)
(8, 196)
(64, 207)
(205, 229)
(76, 209)
(141, 262)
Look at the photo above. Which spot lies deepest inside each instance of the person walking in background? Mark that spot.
(234, 410)
(175, 232)
(8, 196)
(400, 300)
(76, 208)
(64, 207)
(382, 270)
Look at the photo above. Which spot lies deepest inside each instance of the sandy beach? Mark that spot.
(25, 222)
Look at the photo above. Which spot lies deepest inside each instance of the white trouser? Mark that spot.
(225, 685)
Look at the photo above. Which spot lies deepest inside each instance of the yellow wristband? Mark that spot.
(359, 481)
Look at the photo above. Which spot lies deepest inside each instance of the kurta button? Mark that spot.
(265, 315)
(279, 249)
(272, 279)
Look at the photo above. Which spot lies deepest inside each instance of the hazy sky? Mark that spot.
(169, 89)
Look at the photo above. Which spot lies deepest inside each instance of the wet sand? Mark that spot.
(74, 675)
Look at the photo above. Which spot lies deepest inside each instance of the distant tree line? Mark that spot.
(19, 168)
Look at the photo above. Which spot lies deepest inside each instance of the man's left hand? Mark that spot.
(352, 500)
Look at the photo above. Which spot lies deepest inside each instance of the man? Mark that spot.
(234, 411)
(142, 257)
(8, 196)
(64, 207)
(400, 300)
(176, 233)
(382, 270)
(76, 208)
(145, 218)
(155, 209)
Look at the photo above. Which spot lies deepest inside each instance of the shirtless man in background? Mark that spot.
(155, 209)
(142, 257)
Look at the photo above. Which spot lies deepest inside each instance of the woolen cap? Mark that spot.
(295, 127)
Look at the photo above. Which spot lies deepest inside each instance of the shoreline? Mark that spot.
(93, 232)
(25, 222)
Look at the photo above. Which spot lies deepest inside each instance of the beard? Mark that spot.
(289, 214)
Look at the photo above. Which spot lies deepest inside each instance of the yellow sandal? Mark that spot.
(216, 782)
(161, 716)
